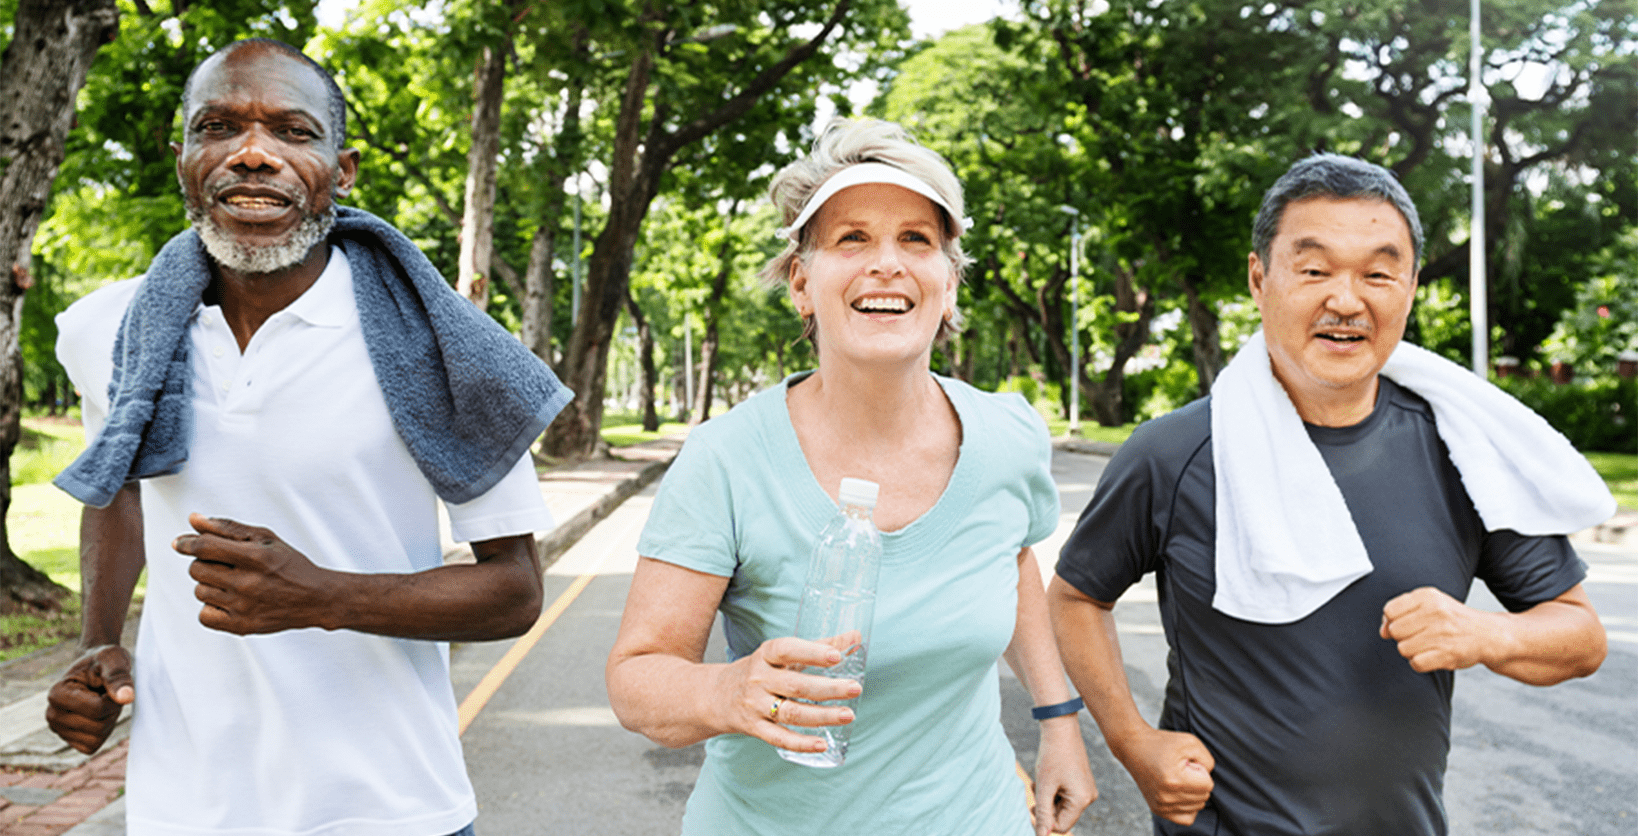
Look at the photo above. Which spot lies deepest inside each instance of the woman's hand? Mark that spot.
(751, 688)
(1063, 776)
(660, 687)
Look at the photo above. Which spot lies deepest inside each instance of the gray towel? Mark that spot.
(465, 395)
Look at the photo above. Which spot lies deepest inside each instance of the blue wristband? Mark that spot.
(1047, 712)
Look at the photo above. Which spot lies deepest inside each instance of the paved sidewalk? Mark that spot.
(47, 789)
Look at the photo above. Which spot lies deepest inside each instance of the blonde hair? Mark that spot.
(846, 142)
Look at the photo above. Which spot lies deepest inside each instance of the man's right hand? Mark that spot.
(84, 706)
(1173, 770)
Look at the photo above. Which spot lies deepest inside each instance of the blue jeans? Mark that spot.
(466, 831)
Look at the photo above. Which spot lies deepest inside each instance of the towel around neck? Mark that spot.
(1286, 542)
(465, 395)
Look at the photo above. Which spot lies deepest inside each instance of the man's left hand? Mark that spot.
(250, 581)
(1437, 632)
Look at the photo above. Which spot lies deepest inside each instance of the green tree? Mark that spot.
(693, 71)
(42, 68)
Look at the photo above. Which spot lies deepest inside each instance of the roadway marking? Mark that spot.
(497, 675)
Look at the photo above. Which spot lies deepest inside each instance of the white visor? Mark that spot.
(862, 173)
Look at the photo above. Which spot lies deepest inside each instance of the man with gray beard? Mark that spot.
(277, 407)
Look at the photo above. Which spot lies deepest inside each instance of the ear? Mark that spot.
(1254, 278)
(797, 286)
(347, 171)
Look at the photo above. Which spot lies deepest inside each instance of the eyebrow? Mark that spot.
(211, 108)
(1305, 244)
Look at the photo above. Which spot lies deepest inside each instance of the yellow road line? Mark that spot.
(497, 675)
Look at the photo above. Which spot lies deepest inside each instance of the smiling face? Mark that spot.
(878, 283)
(1334, 299)
(258, 166)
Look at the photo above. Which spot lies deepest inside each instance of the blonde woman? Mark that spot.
(872, 266)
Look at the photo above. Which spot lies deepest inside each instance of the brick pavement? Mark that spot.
(35, 803)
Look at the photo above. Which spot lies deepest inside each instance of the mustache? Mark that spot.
(1333, 321)
(216, 185)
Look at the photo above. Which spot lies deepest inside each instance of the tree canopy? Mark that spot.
(648, 133)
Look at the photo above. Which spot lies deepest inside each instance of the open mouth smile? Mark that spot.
(1342, 338)
(255, 203)
(882, 305)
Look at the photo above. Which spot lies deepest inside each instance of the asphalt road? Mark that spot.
(548, 757)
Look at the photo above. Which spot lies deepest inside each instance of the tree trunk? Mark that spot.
(1207, 344)
(478, 218)
(540, 276)
(636, 165)
(703, 393)
(1107, 396)
(645, 362)
(540, 286)
(41, 72)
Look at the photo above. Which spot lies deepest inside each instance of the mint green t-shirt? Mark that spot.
(927, 753)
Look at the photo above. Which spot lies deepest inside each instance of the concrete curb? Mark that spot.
(1070, 444)
(554, 543)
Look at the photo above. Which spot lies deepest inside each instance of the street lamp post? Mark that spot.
(1478, 293)
(1074, 318)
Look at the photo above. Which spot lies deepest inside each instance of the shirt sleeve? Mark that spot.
(85, 347)
(1120, 534)
(692, 521)
(1522, 571)
(1040, 489)
(513, 506)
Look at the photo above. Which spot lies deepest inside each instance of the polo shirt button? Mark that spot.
(218, 351)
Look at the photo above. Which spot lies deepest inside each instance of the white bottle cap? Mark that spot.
(858, 492)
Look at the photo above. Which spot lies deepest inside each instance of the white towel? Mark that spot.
(1286, 542)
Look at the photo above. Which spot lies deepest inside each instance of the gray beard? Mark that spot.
(247, 258)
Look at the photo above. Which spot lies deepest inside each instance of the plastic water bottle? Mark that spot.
(839, 599)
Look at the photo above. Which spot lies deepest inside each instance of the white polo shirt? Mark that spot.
(305, 732)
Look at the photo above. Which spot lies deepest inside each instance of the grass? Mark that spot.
(621, 429)
(44, 529)
(1091, 430)
(46, 447)
(1620, 472)
(22, 634)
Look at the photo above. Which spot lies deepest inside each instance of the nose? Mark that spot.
(1344, 298)
(888, 260)
(256, 151)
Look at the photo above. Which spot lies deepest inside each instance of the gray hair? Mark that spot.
(845, 142)
(1337, 177)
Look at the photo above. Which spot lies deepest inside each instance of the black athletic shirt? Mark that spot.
(1318, 726)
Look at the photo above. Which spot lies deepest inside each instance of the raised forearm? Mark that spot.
(668, 699)
(1091, 653)
(111, 561)
(1549, 643)
(497, 597)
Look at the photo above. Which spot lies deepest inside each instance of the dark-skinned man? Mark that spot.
(1314, 527)
(279, 405)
